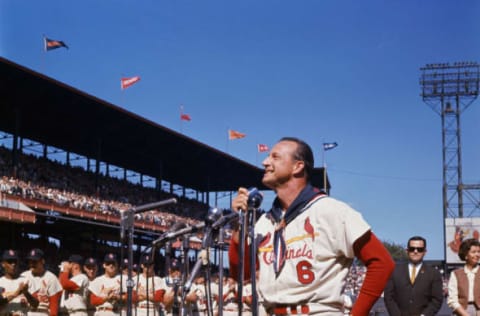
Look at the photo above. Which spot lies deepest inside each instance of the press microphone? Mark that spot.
(224, 220)
(174, 234)
(123, 220)
(202, 261)
(255, 198)
(152, 206)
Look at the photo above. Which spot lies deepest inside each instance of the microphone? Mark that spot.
(224, 220)
(123, 220)
(255, 198)
(174, 234)
(152, 206)
(213, 215)
(202, 261)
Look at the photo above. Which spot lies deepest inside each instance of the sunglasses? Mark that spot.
(418, 249)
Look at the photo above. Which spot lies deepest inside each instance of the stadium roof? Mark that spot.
(42, 109)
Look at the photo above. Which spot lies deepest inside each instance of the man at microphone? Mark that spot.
(307, 242)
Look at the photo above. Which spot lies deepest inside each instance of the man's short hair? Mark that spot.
(418, 238)
(303, 153)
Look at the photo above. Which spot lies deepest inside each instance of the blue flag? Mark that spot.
(328, 146)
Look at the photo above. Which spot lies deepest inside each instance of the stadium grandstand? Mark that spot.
(71, 162)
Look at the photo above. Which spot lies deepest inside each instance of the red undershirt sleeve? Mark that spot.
(53, 303)
(234, 260)
(96, 300)
(66, 283)
(158, 296)
(379, 265)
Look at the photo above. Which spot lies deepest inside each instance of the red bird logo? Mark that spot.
(265, 240)
(309, 228)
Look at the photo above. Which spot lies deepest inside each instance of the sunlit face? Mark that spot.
(10, 266)
(90, 271)
(280, 164)
(148, 269)
(175, 274)
(36, 266)
(111, 268)
(416, 251)
(473, 256)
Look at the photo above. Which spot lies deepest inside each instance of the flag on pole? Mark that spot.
(127, 82)
(53, 44)
(262, 148)
(185, 117)
(235, 135)
(328, 146)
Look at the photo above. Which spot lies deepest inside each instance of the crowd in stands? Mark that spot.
(50, 181)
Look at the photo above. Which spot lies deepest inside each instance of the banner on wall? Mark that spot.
(457, 230)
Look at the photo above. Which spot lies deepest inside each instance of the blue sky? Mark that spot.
(321, 70)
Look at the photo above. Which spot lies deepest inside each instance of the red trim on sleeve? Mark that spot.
(66, 283)
(379, 265)
(96, 300)
(53, 303)
(234, 260)
(158, 295)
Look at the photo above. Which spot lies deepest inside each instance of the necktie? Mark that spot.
(413, 275)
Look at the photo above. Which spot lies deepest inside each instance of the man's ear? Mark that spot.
(298, 168)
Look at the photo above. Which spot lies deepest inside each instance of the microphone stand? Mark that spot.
(241, 268)
(220, 273)
(202, 261)
(127, 225)
(253, 256)
(186, 268)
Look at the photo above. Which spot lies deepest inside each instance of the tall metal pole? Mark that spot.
(449, 89)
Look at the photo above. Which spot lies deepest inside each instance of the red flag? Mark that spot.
(262, 148)
(185, 117)
(127, 82)
(235, 135)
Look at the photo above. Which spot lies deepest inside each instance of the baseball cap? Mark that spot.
(146, 259)
(35, 254)
(110, 257)
(124, 263)
(175, 264)
(76, 259)
(9, 255)
(90, 262)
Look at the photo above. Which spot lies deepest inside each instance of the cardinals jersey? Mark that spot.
(154, 284)
(103, 285)
(76, 300)
(17, 306)
(312, 260)
(45, 285)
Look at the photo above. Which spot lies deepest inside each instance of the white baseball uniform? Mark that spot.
(149, 306)
(46, 285)
(318, 254)
(101, 286)
(75, 302)
(200, 307)
(17, 306)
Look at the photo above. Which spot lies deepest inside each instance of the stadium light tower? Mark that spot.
(449, 90)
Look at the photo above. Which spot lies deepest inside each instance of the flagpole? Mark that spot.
(256, 155)
(122, 97)
(44, 55)
(325, 187)
(181, 121)
(228, 139)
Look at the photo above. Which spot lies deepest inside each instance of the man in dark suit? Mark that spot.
(414, 288)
